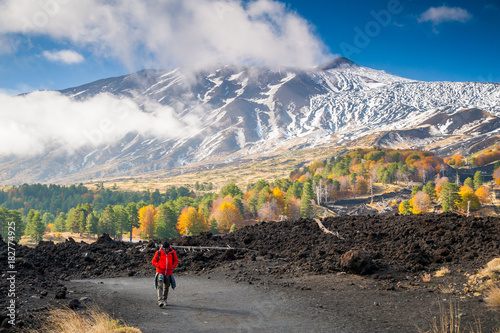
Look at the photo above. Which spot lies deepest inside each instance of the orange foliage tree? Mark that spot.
(440, 181)
(192, 222)
(147, 221)
(483, 194)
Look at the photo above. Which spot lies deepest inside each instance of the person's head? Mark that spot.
(166, 245)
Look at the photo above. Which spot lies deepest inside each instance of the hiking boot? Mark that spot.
(160, 304)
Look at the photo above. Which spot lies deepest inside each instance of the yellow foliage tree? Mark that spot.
(421, 203)
(468, 199)
(147, 221)
(192, 222)
(226, 214)
(483, 194)
(405, 208)
(280, 199)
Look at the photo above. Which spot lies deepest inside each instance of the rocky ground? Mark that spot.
(388, 253)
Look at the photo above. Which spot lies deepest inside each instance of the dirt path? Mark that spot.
(200, 304)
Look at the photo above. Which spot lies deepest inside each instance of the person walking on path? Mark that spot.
(165, 260)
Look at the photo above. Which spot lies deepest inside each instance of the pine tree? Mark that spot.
(39, 227)
(167, 220)
(133, 217)
(107, 221)
(306, 207)
(449, 196)
(478, 180)
(92, 224)
(430, 190)
(121, 220)
(60, 223)
(469, 182)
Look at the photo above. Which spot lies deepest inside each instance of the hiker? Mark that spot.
(165, 260)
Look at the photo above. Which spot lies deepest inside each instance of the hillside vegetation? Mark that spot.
(200, 206)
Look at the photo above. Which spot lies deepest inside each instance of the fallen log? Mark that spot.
(326, 231)
(206, 248)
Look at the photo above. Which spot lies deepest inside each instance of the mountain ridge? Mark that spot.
(252, 111)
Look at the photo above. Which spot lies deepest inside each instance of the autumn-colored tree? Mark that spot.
(226, 214)
(315, 166)
(293, 208)
(405, 208)
(421, 203)
(278, 196)
(496, 175)
(192, 221)
(270, 211)
(362, 185)
(344, 184)
(483, 194)
(459, 160)
(147, 221)
(468, 200)
(302, 178)
(440, 181)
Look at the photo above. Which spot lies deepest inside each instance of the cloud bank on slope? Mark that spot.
(170, 33)
(34, 123)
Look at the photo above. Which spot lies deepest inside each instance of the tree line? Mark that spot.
(184, 211)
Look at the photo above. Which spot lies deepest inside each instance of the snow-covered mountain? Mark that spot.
(246, 110)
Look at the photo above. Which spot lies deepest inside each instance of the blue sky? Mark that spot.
(64, 45)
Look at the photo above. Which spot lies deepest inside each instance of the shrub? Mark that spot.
(442, 272)
(68, 321)
(492, 299)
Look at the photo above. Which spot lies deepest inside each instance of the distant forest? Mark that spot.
(57, 199)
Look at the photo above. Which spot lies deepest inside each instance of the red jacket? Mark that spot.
(164, 266)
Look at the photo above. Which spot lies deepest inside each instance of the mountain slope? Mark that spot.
(245, 111)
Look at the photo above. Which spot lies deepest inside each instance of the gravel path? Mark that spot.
(200, 304)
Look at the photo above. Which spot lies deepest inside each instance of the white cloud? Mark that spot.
(68, 57)
(37, 122)
(438, 15)
(168, 33)
(7, 45)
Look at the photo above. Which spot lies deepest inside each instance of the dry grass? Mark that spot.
(447, 322)
(442, 272)
(426, 277)
(446, 289)
(492, 298)
(494, 265)
(486, 278)
(95, 321)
